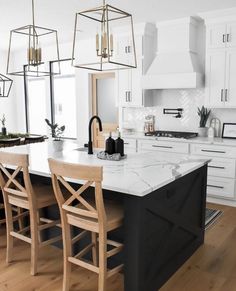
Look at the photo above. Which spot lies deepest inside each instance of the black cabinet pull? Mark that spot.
(227, 37)
(226, 95)
(159, 146)
(130, 96)
(211, 151)
(222, 95)
(214, 186)
(223, 38)
(126, 142)
(216, 167)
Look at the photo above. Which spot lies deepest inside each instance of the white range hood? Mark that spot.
(176, 64)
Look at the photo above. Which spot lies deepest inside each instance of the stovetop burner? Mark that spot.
(172, 134)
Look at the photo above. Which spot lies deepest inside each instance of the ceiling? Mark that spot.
(59, 14)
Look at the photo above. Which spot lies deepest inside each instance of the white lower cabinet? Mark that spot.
(213, 150)
(221, 178)
(221, 187)
(130, 145)
(163, 146)
(222, 168)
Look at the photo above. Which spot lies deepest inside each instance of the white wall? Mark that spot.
(7, 105)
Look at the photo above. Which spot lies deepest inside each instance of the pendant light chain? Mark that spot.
(34, 30)
(33, 16)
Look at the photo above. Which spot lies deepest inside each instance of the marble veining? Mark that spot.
(139, 174)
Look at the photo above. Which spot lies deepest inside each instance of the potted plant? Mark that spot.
(3, 121)
(204, 114)
(56, 133)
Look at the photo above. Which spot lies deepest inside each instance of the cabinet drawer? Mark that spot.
(213, 151)
(130, 143)
(163, 146)
(220, 187)
(222, 168)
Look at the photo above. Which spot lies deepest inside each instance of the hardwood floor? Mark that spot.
(212, 267)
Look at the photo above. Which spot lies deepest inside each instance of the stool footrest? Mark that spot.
(83, 264)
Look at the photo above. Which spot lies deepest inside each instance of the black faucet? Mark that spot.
(90, 143)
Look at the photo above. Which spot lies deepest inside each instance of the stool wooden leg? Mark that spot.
(20, 220)
(10, 228)
(102, 277)
(67, 244)
(34, 243)
(38, 222)
(94, 249)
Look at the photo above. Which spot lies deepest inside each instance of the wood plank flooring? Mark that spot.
(212, 267)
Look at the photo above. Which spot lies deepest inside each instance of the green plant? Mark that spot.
(3, 120)
(204, 114)
(56, 130)
(13, 135)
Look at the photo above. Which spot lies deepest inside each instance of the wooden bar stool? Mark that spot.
(2, 220)
(91, 215)
(21, 194)
(16, 211)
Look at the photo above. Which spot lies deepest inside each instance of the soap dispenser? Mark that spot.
(119, 145)
(110, 145)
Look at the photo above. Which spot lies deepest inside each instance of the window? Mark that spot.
(36, 106)
(63, 93)
(62, 97)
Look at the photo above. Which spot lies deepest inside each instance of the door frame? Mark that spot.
(106, 126)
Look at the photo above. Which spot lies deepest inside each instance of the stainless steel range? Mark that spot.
(172, 134)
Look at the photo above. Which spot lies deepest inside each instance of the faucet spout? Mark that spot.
(90, 143)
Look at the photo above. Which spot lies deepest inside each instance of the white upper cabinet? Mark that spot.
(125, 48)
(130, 92)
(221, 35)
(230, 82)
(221, 59)
(215, 78)
(231, 35)
(216, 36)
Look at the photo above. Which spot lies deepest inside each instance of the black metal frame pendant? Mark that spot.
(5, 85)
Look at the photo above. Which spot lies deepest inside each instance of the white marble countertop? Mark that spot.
(138, 175)
(202, 140)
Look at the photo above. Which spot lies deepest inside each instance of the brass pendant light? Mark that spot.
(5, 86)
(35, 59)
(96, 43)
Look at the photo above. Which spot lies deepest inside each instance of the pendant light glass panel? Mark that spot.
(32, 47)
(5, 86)
(104, 40)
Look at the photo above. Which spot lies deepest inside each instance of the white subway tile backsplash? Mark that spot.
(188, 99)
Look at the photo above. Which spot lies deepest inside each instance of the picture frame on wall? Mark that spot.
(229, 130)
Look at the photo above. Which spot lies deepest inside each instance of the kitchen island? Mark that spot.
(164, 199)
